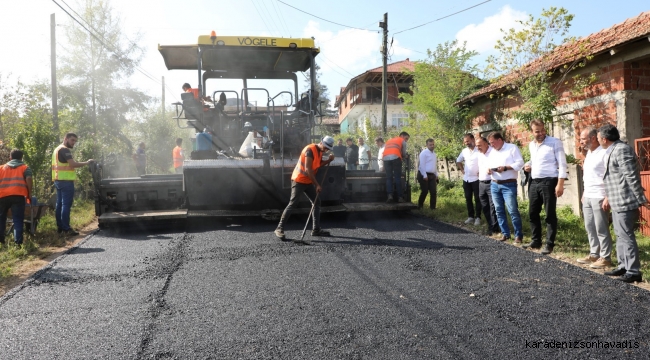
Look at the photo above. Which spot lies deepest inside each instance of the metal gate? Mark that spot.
(642, 147)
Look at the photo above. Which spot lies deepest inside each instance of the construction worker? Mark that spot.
(303, 180)
(64, 175)
(15, 189)
(394, 153)
(178, 156)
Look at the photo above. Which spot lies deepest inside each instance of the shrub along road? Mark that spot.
(382, 288)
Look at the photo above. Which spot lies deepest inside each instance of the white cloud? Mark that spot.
(348, 53)
(482, 37)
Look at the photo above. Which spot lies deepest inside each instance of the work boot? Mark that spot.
(70, 232)
(547, 249)
(390, 198)
(401, 200)
(320, 232)
(280, 234)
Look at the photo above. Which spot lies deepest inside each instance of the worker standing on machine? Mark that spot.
(302, 179)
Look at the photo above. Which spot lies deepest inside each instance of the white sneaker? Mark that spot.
(469, 220)
(477, 222)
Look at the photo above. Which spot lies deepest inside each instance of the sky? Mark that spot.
(348, 48)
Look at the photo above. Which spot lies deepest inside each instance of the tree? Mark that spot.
(27, 125)
(438, 83)
(94, 72)
(525, 63)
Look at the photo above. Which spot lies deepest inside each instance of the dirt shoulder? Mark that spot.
(27, 268)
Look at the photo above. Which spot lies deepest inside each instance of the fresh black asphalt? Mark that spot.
(383, 287)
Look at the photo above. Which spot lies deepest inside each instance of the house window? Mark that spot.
(399, 119)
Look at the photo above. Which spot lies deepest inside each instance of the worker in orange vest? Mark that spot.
(178, 156)
(15, 189)
(303, 180)
(394, 153)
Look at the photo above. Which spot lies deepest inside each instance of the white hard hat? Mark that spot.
(328, 141)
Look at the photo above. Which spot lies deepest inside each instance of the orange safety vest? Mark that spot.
(177, 157)
(61, 171)
(300, 172)
(195, 92)
(12, 181)
(394, 147)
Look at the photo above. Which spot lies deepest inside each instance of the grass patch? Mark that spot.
(34, 247)
(571, 238)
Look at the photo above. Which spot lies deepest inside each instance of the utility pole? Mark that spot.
(384, 81)
(163, 97)
(55, 104)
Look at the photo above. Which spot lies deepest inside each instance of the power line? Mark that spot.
(278, 13)
(318, 17)
(444, 17)
(260, 15)
(268, 13)
(116, 53)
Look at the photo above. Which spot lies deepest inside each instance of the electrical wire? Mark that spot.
(268, 13)
(109, 48)
(281, 17)
(260, 15)
(318, 17)
(444, 17)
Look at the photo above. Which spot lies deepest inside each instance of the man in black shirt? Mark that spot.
(351, 155)
(339, 149)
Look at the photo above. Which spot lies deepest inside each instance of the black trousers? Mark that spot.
(471, 192)
(485, 196)
(298, 189)
(429, 186)
(542, 192)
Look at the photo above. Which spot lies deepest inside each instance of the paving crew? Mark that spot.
(178, 156)
(64, 175)
(15, 189)
(394, 153)
(303, 180)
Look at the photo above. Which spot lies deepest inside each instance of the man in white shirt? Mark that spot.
(504, 162)
(364, 155)
(428, 175)
(380, 155)
(484, 186)
(596, 219)
(470, 179)
(548, 170)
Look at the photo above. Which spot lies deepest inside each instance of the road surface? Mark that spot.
(383, 287)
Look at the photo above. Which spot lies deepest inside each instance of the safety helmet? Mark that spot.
(328, 142)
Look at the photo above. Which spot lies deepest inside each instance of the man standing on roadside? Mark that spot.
(15, 188)
(504, 162)
(624, 197)
(339, 150)
(596, 218)
(364, 155)
(380, 154)
(470, 179)
(394, 153)
(178, 156)
(64, 175)
(484, 186)
(303, 180)
(140, 159)
(428, 175)
(548, 170)
(351, 155)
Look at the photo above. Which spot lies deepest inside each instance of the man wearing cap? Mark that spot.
(303, 180)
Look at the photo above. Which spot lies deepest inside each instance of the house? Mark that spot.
(620, 94)
(361, 98)
(330, 125)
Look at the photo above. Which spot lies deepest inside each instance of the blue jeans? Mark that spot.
(64, 199)
(393, 170)
(506, 194)
(17, 205)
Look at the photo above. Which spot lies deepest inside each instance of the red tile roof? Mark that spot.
(396, 67)
(594, 44)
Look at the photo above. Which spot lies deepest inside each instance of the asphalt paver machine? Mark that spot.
(243, 150)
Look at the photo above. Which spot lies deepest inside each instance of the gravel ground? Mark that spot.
(383, 287)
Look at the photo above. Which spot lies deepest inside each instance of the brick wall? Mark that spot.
(645, 117)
